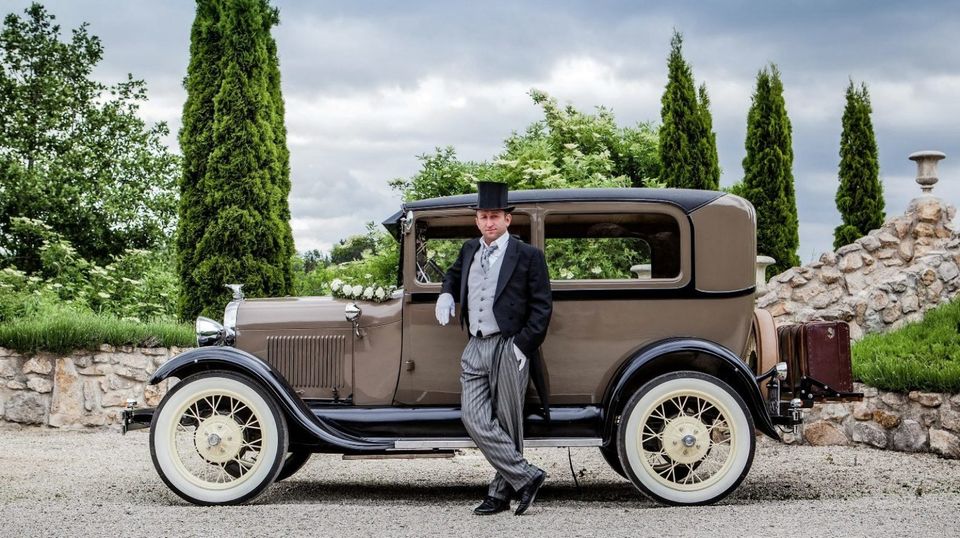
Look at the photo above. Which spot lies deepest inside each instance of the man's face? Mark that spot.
(492, 224)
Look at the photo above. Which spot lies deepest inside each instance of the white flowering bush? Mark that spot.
(138, 285)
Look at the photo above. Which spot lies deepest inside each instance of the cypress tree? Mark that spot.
(768, 172)
(283, 153)
(196, 143)
(708, 143)
(860, 194)
(240, 224)
(688, 150)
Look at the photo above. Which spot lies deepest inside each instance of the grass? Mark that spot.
(64, 332)
(920, 356)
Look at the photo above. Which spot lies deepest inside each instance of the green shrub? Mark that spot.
(919, 356)
(65, 330)
(138, 285)
(71, 303)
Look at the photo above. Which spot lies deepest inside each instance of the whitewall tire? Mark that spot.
(218, 438)
(686, 438)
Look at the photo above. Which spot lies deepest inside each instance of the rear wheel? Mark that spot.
(686, 438)
(218, 438)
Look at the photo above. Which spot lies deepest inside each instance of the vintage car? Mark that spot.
(655, 355)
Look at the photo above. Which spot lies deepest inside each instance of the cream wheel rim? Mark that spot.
(218, 439)
(686, 441)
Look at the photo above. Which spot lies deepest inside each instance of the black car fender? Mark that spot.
(239, 361)
(675, 354)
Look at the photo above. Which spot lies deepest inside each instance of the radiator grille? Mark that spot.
(308, 361)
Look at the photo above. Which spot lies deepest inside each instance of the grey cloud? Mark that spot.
(343, 49)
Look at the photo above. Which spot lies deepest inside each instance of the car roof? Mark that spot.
(686, 199)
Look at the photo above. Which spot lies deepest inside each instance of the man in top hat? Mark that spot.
(503, 288)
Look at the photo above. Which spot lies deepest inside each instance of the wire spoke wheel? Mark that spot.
(686, 438)
(217, 438)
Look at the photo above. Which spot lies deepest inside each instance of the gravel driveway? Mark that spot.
(102, 484)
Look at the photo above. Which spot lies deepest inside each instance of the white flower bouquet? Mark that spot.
(369, 292)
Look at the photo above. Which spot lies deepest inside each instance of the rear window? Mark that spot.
(612, 246)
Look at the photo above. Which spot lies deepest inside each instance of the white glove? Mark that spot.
(445, 308)
(520, 357)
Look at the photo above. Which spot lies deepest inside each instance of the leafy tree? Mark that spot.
(313, 259)
(353, 247)
(566, 149)
(73, 151)
(441, 174)
(768, 173)
(688, 148)
(242, 232)
(860, 194)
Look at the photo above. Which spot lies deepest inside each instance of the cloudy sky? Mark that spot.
(369, 85)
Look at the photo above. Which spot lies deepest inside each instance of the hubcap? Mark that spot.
(218, 439)
(681, 440)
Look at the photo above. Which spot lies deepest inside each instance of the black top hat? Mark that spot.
(491, 195)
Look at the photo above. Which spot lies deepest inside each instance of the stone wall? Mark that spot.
(884, 280)
(914, 422)
(90, 389)
(83, 389)
(880, 282)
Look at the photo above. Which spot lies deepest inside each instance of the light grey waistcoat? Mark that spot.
(481, 289)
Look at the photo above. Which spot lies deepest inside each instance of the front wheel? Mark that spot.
(218, 438)
(686, 438)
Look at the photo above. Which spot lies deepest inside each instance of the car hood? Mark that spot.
(311, 313)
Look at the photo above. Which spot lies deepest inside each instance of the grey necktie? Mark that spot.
(485, 257)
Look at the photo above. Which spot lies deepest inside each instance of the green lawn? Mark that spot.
(919, 356)
(64, 332)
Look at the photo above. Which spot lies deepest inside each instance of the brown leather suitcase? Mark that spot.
(819, 350)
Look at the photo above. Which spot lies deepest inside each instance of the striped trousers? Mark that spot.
(493, 390)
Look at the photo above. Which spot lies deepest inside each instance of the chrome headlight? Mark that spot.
(230, 322)
(209, 332)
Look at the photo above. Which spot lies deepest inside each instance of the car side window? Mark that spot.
(438, 242)
(612, 246)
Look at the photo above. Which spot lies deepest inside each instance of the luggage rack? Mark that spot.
(810, 391)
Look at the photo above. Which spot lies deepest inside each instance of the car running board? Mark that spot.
(466, 442)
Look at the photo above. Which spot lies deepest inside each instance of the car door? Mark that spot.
(430, 367)
(617, 272)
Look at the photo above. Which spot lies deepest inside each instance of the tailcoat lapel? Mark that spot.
(507, 266)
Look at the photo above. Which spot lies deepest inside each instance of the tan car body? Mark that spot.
(405, 357)
(657, 358)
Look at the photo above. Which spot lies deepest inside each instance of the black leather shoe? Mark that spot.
(529, 492)
(492, 505)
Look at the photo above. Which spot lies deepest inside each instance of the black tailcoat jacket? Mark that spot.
(522, 304)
